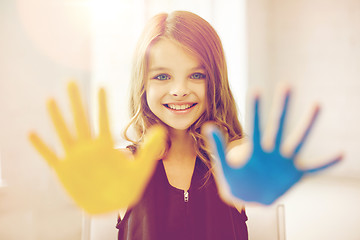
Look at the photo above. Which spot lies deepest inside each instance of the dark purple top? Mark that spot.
(165, 212)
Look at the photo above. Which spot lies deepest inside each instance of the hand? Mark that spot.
(265, 175)
(98, 177)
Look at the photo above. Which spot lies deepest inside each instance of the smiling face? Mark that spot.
(175, 86)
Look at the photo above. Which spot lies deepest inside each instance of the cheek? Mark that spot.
(202, 93)
(152, 96)
(148, 97)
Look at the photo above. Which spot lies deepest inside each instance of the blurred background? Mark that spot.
(314, 45)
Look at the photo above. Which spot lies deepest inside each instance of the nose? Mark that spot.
(180, 94)
(180, 89)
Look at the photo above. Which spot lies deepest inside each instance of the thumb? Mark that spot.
(216, 144)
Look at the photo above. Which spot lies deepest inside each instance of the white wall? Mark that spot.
(40, 50)
(315, 46)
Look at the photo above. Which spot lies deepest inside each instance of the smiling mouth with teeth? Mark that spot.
(179, 107)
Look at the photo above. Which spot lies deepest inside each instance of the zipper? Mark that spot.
(187, 220)
(186, 196)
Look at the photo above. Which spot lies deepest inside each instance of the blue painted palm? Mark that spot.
(266, 175)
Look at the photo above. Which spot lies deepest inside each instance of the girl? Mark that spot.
(179, 81)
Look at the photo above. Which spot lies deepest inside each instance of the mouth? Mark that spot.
(179, 107)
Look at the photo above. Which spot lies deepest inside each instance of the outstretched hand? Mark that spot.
(265, 175)
(98, 177)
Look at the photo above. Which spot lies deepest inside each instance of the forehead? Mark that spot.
(166, 53)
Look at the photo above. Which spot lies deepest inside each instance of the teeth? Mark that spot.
(179, 107)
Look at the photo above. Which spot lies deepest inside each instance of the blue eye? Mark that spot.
(198, 76)
(162, 77)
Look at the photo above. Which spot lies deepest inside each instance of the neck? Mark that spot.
(182, 146)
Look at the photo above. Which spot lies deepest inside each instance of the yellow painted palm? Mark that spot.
(98, 177)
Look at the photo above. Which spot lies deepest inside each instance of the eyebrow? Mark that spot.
(155, 69)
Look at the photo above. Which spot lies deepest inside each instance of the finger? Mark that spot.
(103, 115)
(324, 166)
(306, 132)
(280, 131)
(43, 149)
(59, 124)
(217, 146)
(256, 130)
(151, 150)
(81, 122)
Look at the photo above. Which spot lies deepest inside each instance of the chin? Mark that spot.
(179, 127)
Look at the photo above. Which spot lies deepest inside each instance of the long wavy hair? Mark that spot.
(198, 37)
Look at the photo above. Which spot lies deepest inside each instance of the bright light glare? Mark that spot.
(106, 10)
(59, 29)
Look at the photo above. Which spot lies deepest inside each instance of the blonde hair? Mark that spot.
(198, 37)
